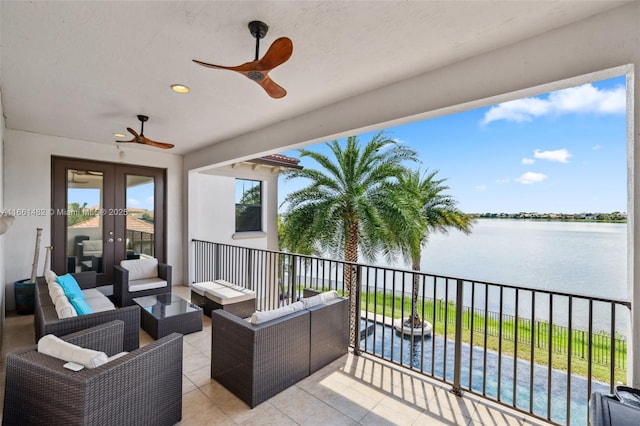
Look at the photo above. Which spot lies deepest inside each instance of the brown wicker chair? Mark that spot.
(46, 319)
(257, 361)
(124, 297)
(143, 387)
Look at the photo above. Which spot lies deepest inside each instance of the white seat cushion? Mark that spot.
(92, 292)
(228, 295)
(99, 303)
(141, 268)
(201, 288)
(146, 284)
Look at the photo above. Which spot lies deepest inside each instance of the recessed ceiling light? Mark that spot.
(179, 88)
(119, 135)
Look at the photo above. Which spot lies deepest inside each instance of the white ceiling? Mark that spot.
(84, 70)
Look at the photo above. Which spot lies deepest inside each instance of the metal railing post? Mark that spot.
(249, 282)
(457, 360)
(216, 251)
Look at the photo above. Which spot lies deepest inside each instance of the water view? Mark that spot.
(573, 257)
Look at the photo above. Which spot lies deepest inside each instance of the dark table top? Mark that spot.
(165, 305)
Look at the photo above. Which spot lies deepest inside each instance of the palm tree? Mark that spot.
(418, 208)
(339, 211)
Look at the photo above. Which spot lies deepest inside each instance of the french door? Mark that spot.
(104, 213)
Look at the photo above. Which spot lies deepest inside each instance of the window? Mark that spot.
(248, 205)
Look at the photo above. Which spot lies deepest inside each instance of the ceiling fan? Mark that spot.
(258, 70)
(141, 138)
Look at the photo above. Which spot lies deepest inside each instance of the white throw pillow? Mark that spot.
(328, 296)
(58, 348)
(64, 308)
(50, 276)
(321, 298)
(312, 301)
(259, 317)
(55, 291)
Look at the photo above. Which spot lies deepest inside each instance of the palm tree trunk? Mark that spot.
(351, 278)
(415, 319)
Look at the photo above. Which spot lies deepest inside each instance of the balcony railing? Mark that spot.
(535, 350)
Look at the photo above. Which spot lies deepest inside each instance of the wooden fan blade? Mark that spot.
(272, 88)
(279, 53)
(246, 67)
(162, 145)
(134, 133)
(136, 137)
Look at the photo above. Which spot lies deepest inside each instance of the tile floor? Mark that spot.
(350, 391)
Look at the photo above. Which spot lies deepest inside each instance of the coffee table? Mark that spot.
(163, 314)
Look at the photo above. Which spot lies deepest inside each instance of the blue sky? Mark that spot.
(562, 152)
(139, 196)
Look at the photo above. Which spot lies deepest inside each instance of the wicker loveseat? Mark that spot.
(257, 361)
(143, 387)
(46, 319)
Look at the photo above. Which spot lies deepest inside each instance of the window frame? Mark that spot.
(238, 205)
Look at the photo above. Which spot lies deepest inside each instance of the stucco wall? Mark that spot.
(27, 185)
(211, 207)
(2, 238)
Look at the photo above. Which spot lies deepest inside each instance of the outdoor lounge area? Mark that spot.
(350, 391)
(116, 144)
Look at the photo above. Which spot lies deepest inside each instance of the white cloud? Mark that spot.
(149, 200)
(481, 188)
(133, 202)
(519, 110)
(596, 147)
(531, 177)
(585, 99)
(507, 180)
(528, 161)
(559, 155)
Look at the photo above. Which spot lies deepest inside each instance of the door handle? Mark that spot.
(119, 239)
(110, 240)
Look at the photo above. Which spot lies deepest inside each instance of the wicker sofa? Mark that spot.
(257, 361)
(46, 319)
(143, 387)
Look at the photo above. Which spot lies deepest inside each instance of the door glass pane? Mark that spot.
(140, 217)
(84, 220)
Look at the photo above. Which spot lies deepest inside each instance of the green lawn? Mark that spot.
(396, 307)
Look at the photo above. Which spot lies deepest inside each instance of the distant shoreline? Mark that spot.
(615, 217)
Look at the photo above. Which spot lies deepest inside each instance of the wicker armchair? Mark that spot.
(143, 387)
(257, 361)
(124, 294)
(46, 319)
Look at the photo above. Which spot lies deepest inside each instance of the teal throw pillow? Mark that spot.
(70, 286)
(81, 306)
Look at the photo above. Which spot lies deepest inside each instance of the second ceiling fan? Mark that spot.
(142, 139)
(258, 70)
